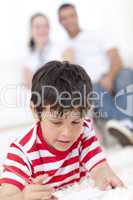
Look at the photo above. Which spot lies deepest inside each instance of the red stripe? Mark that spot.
(34, 148)
(13, 182)
(46, 160)
(88, 142)
(38, 174)
(97, 164)
(70, 161)
(82, 174)
(26, 138)
(38, 161)
(74, 146)
(66, 163)
(16, 158)
(18, 171)
(14, 145)
(37, 147)
(63, 176)
(91, 154)
(50, 173)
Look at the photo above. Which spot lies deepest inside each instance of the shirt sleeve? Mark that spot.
(17, 168)
(91, 151)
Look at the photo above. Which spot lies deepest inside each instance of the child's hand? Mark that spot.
(37, 191)
(104, 177)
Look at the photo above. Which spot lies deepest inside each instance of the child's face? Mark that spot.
(61, 132)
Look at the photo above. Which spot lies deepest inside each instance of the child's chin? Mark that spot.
(65, 148)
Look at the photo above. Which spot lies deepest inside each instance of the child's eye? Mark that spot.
(76, 122)
(56, 122)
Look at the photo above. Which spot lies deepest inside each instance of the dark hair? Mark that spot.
(65, 5)
(31, 43)
(68, 79)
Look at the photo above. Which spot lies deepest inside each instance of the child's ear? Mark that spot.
(34, 112)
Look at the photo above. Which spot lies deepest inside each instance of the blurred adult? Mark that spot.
(101, 59)
(40, 47)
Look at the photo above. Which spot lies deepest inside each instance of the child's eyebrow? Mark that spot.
(61, 119)
(55, 119)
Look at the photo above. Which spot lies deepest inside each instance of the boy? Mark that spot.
(62, 147)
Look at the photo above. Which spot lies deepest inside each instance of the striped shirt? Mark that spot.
(30, 156)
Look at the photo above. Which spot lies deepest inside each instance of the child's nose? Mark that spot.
(66, 132)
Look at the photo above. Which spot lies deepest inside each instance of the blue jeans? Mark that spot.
(119, 105)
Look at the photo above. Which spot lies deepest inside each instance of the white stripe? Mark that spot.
(19, 153)
(18, 140)
(74, 152)
(92, 134)
(16, 151)
(94, 160)
(86, 132)
(30, 143)
(55, 165)
(46, 153)
(67, 169)
(18, 165)
(35, 155)
(82, 169)
(89, 134)
(38, 140)
(14, 177)
(49, 166)
(24, 155)
(85, 151)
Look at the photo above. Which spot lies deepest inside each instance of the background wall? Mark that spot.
(113, 16)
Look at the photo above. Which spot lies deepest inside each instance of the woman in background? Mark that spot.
(41, 48)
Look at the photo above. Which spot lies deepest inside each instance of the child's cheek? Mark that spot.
(81, 128)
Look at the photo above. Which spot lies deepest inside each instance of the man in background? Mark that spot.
(101, 59)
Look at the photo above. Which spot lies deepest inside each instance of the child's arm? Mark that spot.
(15, 179)
(10, 192)
(31, 191)
(93, 159)
(104, 176)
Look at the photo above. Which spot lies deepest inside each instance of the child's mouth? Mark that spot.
(63, 142)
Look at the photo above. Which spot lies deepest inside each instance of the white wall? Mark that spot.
(114, 15)
(111, 15)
